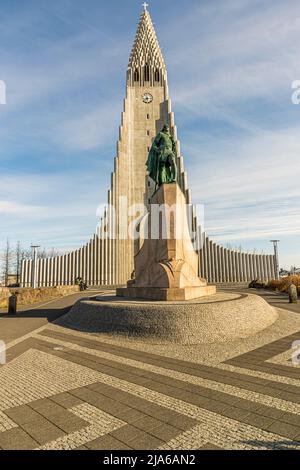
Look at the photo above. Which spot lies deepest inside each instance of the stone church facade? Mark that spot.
(106, 259)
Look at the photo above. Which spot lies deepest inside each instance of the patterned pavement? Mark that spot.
(63, 389)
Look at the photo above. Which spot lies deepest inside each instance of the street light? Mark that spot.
(276, 261)
(33, 278)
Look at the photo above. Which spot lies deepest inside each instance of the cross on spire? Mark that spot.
(145, 5)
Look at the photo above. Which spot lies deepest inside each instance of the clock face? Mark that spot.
(147, 98)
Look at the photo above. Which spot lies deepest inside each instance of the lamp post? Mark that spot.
(276, 258)
(34, 253)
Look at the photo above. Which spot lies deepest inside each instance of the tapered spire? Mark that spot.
(146, 52)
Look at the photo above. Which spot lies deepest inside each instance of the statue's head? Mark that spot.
(166, 129)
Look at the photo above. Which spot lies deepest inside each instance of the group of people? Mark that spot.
(80, 282)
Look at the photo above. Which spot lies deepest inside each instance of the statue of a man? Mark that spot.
(161, 163)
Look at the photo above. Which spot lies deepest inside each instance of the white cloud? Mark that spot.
(14, 208)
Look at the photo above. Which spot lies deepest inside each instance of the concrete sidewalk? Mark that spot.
(34, 316)
(276, 299)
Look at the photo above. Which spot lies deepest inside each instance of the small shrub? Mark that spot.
(282, 285)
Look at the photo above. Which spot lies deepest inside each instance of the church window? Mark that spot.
(147, 73)
(156, 75)
(136, 75)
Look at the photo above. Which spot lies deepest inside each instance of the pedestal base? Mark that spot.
(156, 293)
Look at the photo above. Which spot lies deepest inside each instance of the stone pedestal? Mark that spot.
(166, 266)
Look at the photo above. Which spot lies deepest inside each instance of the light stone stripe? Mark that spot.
(101, 423)
(188, 378)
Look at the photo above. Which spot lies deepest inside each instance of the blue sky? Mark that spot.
(230, 65)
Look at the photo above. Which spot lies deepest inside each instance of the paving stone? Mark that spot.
(145, 442)
(164, 432)
(66, 400)
(17, 439)
(147, 423)
(22, 414)
(259, 421)
(209, 446)
(269, 412)
(291, 419)
(42, 431)
(179, 421)
(215, 406)
(68, 423)
(126, 433)
(107, 443)
(46, 407)
(235, 413)
(131, 415)
(284, 429)
(137, 439)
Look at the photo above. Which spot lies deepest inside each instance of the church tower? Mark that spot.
(147, 108)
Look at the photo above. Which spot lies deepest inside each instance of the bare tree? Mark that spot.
(7, 262)
(18, 257)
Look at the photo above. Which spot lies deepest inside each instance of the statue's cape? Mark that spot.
(153, 162)
(154, 157)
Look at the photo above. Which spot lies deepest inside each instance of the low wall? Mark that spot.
(215, 319)
(4, 295)
(28, 296)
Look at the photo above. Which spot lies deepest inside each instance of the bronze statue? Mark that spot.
(161, 163)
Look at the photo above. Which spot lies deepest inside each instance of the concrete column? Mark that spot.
(54, 267)
(248, 267)
(87, 263)
(41, 274)
(258, 266)
(64, 269)
(94, 261)
(72, 267)
(212, 261)
(76, 267)
(270, 267)
(226, 272)
(255, 276)
(216, 262)
(233, 264)
(200, 253)
(22, 280)
(264, 263)
(98, 266)
(209, 260)
(205, 255)
(243, 267)
(80, 270)
(102, 254)
(219, 264)
(250, 257)
(261, 267)
(237, 266)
